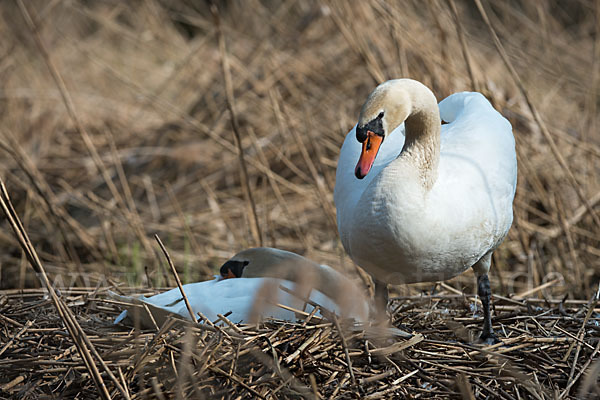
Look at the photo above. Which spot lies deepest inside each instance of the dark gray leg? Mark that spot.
(381, 300)
(381, 294)
(485, 293)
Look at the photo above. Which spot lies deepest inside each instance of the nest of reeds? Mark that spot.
(548, 350)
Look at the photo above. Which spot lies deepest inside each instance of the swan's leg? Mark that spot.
(485, 293)
(381, 300)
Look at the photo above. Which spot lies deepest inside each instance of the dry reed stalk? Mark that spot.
(277, 191)
(47, 195)
(350, 31)
(345, 347)
(195, 246)
(84, 346)
(316, 179)
(254, 226)
(252, 364)
(463, 45)
(177, 280)
(91, 148)
(555, 151)
(219, 212)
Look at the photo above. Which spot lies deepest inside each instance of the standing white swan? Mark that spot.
(426, 201)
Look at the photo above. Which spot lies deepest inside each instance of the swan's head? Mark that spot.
(260, 261)
(233, 269)
(386, 107)
(306, 275)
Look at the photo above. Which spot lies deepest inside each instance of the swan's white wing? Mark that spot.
(348, 188)
(478, 168)
(477, 131)
(239, 296)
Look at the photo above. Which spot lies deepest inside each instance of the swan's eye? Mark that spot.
(361, 134)
(374, 126)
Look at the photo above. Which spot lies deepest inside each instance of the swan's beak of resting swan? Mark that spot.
(370, 148)
(232, 269)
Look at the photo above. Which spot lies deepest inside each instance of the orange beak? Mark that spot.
(370, 148)
(229, 275)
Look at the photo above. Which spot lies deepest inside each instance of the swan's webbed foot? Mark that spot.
(485, 293)
(488, 339)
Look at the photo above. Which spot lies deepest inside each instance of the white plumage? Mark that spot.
(256, 294)
(398, 229)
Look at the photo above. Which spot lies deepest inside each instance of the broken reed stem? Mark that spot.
(174, 271)
(580, 335)
(583, 369)
(536, 115)
(345, 346)
(254, 225)
(79, 337)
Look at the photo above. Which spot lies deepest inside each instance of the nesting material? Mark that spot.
(548, 350)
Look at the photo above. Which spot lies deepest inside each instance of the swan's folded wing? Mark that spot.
(478, 157)
(139, 311)
(477, 131)
(480, 133)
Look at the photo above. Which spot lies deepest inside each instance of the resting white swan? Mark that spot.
(419, 201)
(255, 291)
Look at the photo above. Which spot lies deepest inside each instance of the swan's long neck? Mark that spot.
(422, 129)
(295, 268)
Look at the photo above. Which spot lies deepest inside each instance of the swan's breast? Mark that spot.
(403, 233)
(387, 236)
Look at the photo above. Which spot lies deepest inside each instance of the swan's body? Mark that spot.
(256, 293)
(438, 198)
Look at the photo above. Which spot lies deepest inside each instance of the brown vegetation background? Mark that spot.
(146, 82)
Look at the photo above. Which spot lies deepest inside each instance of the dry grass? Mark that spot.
(147, 147)
(545, 353)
